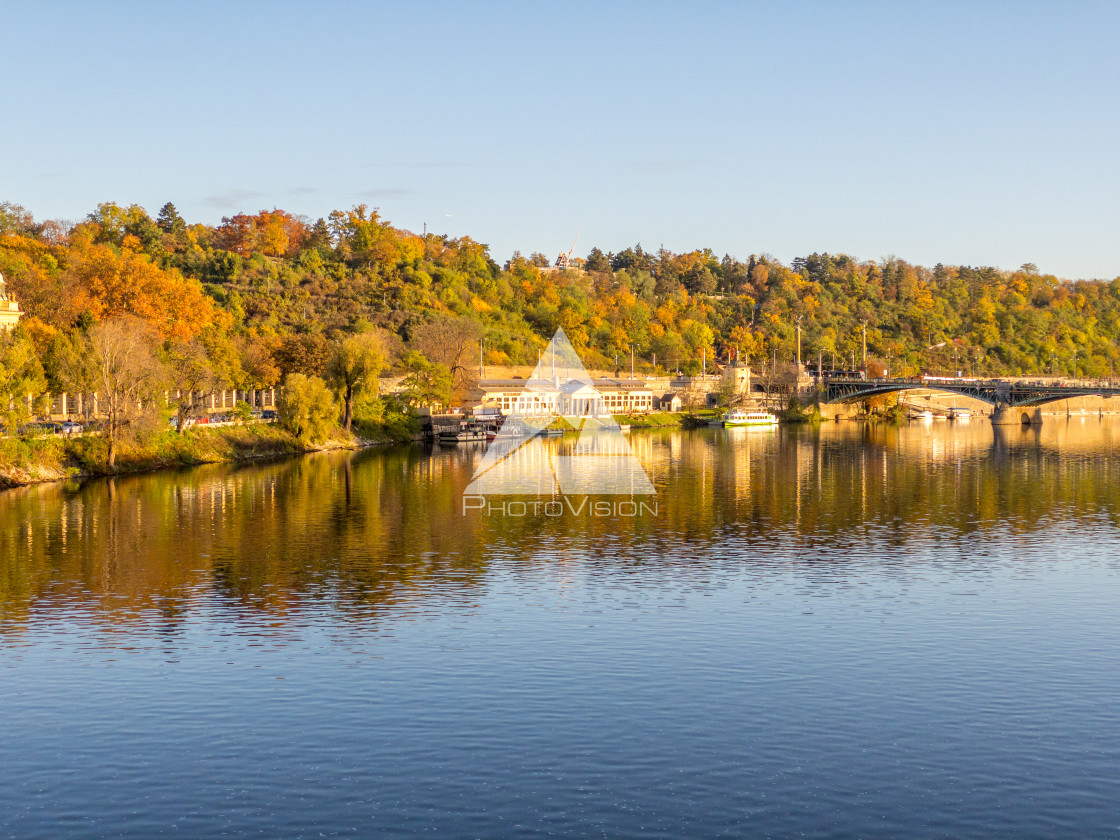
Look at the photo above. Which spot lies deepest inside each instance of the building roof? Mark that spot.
(541, 384)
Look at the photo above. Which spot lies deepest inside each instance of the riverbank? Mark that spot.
(57, 458)
(654, 420)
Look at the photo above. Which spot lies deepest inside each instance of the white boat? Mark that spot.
(915, 414)
(742, 417)
(956, 413)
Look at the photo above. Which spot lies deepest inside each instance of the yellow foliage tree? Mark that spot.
(108, 284)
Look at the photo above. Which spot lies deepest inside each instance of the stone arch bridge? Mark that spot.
(1010, 399)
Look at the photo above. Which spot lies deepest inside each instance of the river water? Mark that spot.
(856, 631)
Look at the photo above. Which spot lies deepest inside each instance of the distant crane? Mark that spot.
(565, 260)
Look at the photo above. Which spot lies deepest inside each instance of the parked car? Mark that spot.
(69, 427)
(37, 429)
(269, 414)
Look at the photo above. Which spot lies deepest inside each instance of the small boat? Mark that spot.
(468, 431)
(959, 413)
(915, 414)
(742, 417)
(463, 436)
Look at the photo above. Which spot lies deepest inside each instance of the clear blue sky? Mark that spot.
(970, 133)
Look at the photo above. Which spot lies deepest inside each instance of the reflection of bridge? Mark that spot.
(1001, 393)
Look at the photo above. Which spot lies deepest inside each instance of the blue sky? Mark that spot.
(971, 133)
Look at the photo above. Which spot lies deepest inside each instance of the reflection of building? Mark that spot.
(531, 397)
(10, 312)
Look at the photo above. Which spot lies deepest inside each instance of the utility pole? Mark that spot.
(798, 319)
(863, 323)
(631, 361)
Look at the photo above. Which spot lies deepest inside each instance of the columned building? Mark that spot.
(527, 397)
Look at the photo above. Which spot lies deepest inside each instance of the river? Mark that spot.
(850, 631)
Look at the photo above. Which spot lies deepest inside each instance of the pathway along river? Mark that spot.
(851, 631)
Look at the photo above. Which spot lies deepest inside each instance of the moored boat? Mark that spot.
(463, 435)
(742, 417)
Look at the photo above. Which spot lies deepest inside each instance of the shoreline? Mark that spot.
(49, 460)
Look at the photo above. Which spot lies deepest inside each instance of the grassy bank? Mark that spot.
(54, 458)
(654, 420)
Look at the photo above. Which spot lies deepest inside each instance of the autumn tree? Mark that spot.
(108, 285)
(191, 375)
(259, 362)
(308, 354)
(117, 362)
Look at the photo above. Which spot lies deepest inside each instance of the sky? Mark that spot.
(963, 133)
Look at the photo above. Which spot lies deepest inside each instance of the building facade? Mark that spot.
(10, 312)
(604, 396)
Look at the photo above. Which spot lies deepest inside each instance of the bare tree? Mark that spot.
(123, 370)
(189, 372)
(453, 342)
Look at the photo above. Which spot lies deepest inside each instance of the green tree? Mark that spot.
(426, 383)
(307, 407)
(21, 379)
(354, 368)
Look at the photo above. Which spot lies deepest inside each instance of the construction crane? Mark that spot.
(565, 260)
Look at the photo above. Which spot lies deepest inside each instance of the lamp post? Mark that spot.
(798, 320)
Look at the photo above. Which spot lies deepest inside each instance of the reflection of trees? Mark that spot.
(384, 529)
(353, 529)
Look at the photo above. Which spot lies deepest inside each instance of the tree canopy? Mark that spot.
(271, 293)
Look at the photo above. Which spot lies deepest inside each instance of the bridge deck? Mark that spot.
(992, 391)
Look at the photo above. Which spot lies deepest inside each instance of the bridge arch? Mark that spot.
(857, 390)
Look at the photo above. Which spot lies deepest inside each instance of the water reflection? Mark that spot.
(379, 528)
